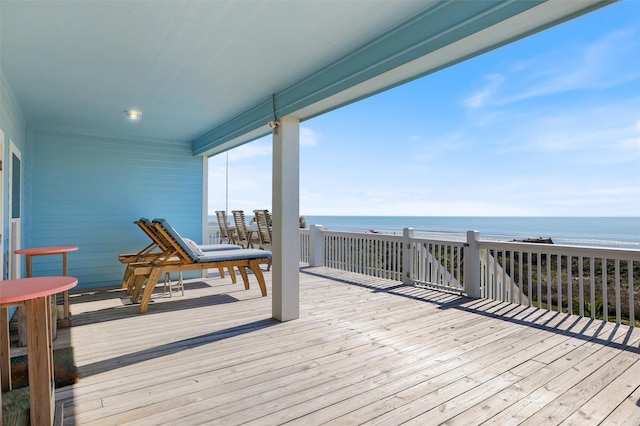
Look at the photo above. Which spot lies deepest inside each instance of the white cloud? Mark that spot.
(486, 94)
(600, 134)
(252, 150)
(309, 137)
(607, 62)
(600, 65)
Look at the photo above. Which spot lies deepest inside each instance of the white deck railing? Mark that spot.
(304, 245)
(599, 283)
(213, 234)
(369, 254)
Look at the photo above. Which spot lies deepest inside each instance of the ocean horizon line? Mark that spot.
(601, 231)
(472, 216)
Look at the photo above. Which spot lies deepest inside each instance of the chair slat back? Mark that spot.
(174, 240)
(264, 230)
(148, 228)
(241, 226)
(221, 216)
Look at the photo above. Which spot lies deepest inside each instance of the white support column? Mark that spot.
(286, 232)
(205, 208)
(472, 265)
(316, 246)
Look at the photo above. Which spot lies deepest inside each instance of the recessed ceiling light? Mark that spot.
(132, 114)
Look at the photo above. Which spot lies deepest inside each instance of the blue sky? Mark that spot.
(547, 126)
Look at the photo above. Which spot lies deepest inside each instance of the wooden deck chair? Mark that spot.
(163, 249)
(245, 238)
(226, 235)
(187, 258)
(264, 230)
(157, 248)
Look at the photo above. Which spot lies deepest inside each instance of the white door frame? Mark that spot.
(15, 224)
(2, 168)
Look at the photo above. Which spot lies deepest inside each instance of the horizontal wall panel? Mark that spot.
(87, 190)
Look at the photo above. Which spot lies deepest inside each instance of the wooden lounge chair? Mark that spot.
(184, 258)
(264, 230)
(161, 248)
(226, 235)
(245, 237)
(145, 224)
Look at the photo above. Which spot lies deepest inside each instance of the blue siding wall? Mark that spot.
(87, 190)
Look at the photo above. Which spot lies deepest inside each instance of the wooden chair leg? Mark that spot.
(154, 276)
(127, 278)
(255, 268)
(245, 276)
(167, 282)
(138, 285)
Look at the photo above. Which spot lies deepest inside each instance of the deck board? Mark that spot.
(365, 350)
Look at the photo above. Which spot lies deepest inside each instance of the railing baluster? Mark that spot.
(438, 262)
(569, 285)
(581, 284)
(617, 288)
(343, 252)
(559, 280)
(351, 254)
(429, 255)
(519, 284)
(456, 266)
(494, 277)
(605, 287)
(549, 299)
(367, 247)
(512, 284)
(630, 281)
(505, 292)
(529, 279)
(539, 276)
(592, 285)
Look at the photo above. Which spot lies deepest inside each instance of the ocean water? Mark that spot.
(620, 232)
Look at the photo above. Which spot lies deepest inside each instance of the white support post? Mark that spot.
(205, 209)
(286, 220)
(472, 265)
(316, 246)
(407, 256)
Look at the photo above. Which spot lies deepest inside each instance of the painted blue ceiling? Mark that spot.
(216, 72)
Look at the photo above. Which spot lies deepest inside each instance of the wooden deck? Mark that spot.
(365, 350)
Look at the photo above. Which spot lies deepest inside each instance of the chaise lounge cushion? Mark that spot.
(195, 251)
(226, 255)
(194, 246)
(218, 247)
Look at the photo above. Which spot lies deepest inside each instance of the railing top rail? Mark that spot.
(553, 249)
(604, 252)
(368, 235)
(456, 243)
